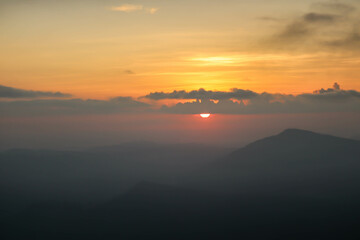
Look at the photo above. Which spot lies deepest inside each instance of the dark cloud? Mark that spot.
(350, 41)
(234, 101)
(71, 106)
(341, 8)
(319, 17)
(336, 86)
(322, 100)
(327, 25)
(305, 26)
(331, 94)
(9, 92)
(128, 72)
(294, 31)
(127, 102)
(273, 19)
(203, 94)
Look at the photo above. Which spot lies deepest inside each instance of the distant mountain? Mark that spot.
(357, 137)
(126, 147)
(294, 145)
(147, 193)
(291, 160)
(295, 185)
(96, 174)
(191, 155)
(157, 211)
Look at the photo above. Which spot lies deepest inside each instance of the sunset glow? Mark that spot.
(189, 119)
(205, 115)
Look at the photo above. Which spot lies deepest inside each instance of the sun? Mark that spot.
(204, 115)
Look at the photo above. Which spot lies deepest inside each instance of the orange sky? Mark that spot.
(102, 49)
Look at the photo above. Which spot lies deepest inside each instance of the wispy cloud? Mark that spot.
(327, 25)
(237, 60)
(128, 71)
(266, 18)
(152, 10)
(134, 8)
(10, 92)
(306, 26)
(128, 8)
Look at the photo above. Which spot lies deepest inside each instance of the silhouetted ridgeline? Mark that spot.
(293, 159)
(295, 185)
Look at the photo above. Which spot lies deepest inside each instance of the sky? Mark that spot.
(105, 61)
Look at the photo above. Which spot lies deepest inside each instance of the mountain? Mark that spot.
(293, 145)
(183, 155)
(95, 174)
(157, 211)
(295, 185)
(294, 160)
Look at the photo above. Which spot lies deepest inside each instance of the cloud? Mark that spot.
(238, 101)
(127, 101)
(152, 10)
(267, 18)
(234, 101)
(334, 93)
(128, 8)
(235, 93)
(342, 8)
(351, 41)
(128, 72)
(294, 31)
(10, 92)
(44, 107)
(52, 105)
(319, 17)
(134, 8)
(327, 26)
(305, 26)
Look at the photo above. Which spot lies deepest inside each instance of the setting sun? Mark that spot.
(205, 115)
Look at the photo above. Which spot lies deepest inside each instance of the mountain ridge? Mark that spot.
(297, 139)
(293, 159)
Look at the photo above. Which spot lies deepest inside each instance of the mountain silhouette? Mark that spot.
(96, 174)
(294, 145)
(294, 185)
(288, 161)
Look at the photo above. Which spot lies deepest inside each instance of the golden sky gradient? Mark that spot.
(101, 49)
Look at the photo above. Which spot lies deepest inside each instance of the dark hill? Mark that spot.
(296, 145)
(295, 185)
(290, 161)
